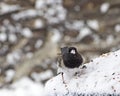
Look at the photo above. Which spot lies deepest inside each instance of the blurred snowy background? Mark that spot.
(32, 31)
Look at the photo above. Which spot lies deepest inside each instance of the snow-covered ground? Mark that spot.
(101, 76)
(23, 87)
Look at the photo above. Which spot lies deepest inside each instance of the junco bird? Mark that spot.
(69, 61)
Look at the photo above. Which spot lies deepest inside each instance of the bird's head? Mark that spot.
(68, 50)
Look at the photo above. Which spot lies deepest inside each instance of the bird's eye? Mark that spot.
(72, 51)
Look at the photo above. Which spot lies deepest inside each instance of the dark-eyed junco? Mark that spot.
(69, 61)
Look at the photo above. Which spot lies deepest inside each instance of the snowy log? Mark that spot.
(101, 77)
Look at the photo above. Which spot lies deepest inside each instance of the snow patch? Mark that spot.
(117, 28)
(76, 24)
(42, 76)
(3, 36)
(29, 55)
(13, 57)
(84, 32)
(54, 13)
(9, 75)
(39, 4)
(26, 32)
(25, 14)
(110, 39)
(5, 8)
(42, 3)
(93, 24)
(56, 36)
(38, 23)
(104, 7)
(12, 38)
(38, 44)
(23, 87)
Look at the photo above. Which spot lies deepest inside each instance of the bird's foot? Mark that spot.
(63, 78)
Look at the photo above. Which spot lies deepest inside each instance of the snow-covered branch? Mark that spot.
(100, 77)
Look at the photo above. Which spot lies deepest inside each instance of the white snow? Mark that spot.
(96, 39)
(5, 8)
(51, 11)
(110, 39)
(84, 32)
(102, 75)
(53, 1)
(93, 24)
(42, 76)
(9, 75)
(54, 13)
(3, 36)
(23, 87)
(26, 32)
(29, 55)
(42, 3)
(12, 57)
(56, 36)
(38, 44)
(39, 4)
(25, 14)
(12, 38)
(117, 28)
(38, 23)
(104, 7)
(8, 27)
(76, 24)
(73, 51)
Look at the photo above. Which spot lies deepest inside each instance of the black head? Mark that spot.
(68, 50)
(64, 50)
(71, 57)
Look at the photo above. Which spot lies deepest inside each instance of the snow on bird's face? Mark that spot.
(72, 51)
